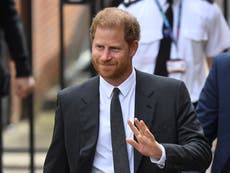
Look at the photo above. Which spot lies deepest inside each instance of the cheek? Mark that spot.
(95, 59)
(94, 63)
(96, 54)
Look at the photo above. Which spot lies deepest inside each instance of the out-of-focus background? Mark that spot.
(60, 50)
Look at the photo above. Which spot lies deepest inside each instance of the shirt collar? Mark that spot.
(124, 87)
(173, 1)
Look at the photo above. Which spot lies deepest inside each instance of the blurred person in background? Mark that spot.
(11, 31)
(11, 26)
(177, 37)
(213, 111)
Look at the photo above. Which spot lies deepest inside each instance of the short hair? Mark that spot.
(113, 17)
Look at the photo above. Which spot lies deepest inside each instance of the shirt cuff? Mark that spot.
(160, 163)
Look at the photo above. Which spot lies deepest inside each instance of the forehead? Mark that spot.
(116, 32)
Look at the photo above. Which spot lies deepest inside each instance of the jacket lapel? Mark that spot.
(144, 108)
(89, 122)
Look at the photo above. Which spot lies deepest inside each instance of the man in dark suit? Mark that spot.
(162, 132)
(214, 111)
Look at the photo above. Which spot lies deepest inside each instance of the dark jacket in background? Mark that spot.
(13, 33)
(214, 110)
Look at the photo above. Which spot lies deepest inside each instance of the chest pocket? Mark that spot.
(194, 25)
(195, 30)
(195, 35)
(150, 36)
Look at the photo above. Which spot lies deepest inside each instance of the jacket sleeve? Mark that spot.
(56, 158)
(192, 151)
(12, 27)
(207, 108)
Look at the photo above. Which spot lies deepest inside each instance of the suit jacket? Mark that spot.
(226, 167)
(163, 103)
(214, 110)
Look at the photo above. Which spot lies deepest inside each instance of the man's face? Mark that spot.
(111, 54)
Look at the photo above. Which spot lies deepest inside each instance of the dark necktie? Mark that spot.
(119, 147)
(165, 45)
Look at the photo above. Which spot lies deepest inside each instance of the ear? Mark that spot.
(133, 47)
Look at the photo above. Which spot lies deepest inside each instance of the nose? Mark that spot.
(106, 55)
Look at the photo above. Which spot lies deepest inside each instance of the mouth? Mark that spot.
(106, 66)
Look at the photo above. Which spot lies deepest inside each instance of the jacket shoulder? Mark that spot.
(222, 61)
(158, 82)
(77, 90)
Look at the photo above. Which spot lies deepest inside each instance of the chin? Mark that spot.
(108, 75)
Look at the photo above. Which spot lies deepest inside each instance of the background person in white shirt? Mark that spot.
(199, 30)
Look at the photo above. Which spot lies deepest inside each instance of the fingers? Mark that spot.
(145, 142)
(21, 90)
(24, 86)
(133, 128)
(141, 131)
(134, 144)
(141, 126)
(149, 135)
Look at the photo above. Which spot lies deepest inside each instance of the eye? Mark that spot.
(99, 47)
(115, 49)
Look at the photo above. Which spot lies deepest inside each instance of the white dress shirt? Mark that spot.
(103, 161)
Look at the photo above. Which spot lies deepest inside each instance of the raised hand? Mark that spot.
(146, 143)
